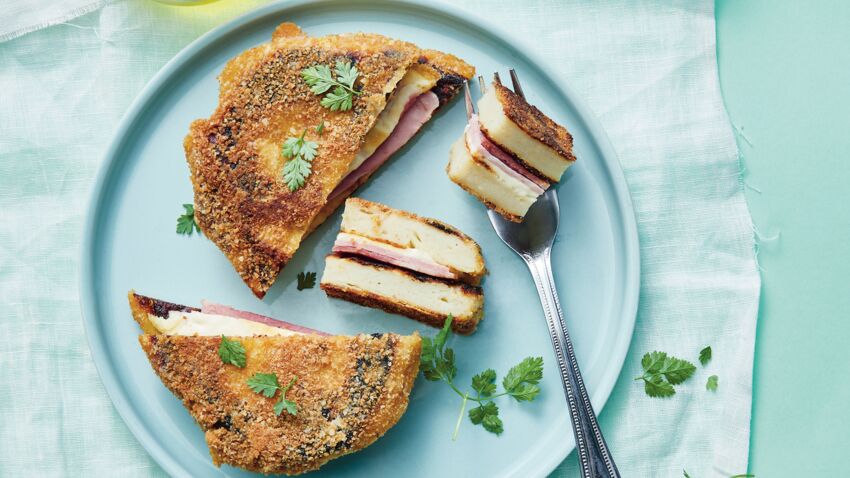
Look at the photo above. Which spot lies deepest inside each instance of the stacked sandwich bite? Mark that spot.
(510, 153)
(405, 264)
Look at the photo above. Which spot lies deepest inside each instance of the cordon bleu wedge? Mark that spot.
(510, 153)
(406, 264)
(242, 202)
(348, 391)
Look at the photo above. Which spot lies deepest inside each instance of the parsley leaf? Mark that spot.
(521, 380)
(493, 424)
(705, 355)
(264, 383)
(484, 383)
(321, 128)
(711, 384)
(685, 473)
(320, 79)
(267, 385)
(661, 372)
(232, 352)
(186, 222)
(306, 280)
(300, 153)
(655, 386)
(437, 363)
(477, 414)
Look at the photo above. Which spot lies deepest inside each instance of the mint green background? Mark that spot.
(785, 75)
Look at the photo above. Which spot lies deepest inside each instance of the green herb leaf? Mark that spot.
(300, 153)
(685, 473)
(346, 73)
(517, 381)
(661, 372)
(232, 352)
(284, 404)
(711, 384)
(306, 280)
(493, 424)
(484, 383)
(264, 383)
(677, 370)
(267, 385)
(320, 79)
(477, 414)
(321, 128)
(186, 222)
(655, 386)
(443, 334)
(437, 363)
(705, 355)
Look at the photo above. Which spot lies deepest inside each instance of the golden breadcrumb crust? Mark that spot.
(349, 391)
(535, 123)
(242, 203)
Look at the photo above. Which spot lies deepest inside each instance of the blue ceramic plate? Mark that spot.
(130, 243)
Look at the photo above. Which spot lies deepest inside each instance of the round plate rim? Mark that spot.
(91, 324)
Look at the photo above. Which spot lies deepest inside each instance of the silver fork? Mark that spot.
(532, 241)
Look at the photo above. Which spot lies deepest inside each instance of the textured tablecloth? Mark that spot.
(647, 69)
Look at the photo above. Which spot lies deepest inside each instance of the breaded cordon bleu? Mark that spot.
(300, 124)
(510, 152)
(273, 397)
(405, 264)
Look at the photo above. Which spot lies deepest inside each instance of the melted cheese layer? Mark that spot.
(418, 79)
(199, 323)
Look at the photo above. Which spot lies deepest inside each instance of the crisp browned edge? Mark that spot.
(543, 129)
(368, 299)
(142, 306)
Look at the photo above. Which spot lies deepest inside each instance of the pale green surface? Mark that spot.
(785, 74)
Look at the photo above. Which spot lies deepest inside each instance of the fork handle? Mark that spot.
(595, 459)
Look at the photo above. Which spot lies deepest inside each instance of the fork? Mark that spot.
(532, 241)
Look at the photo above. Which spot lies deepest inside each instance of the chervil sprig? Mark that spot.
(437, 363)
(186, 222)
(321, 80)
(266, 384)
(306, 280)
(661, 372)
(232, 352)
(300, 153)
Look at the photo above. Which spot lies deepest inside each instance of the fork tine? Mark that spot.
(515, 81)
(481, 84)
(496, 78)
(470, 108)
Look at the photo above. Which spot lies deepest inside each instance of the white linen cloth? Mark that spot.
(647, 69)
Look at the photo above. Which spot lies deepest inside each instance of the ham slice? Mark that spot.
(480, 145)
(416, 113)
(218, 309)
(407, 258)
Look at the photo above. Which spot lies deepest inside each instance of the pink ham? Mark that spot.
(481, 144)
(218, 309)
(416, 113)
(388, 255)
